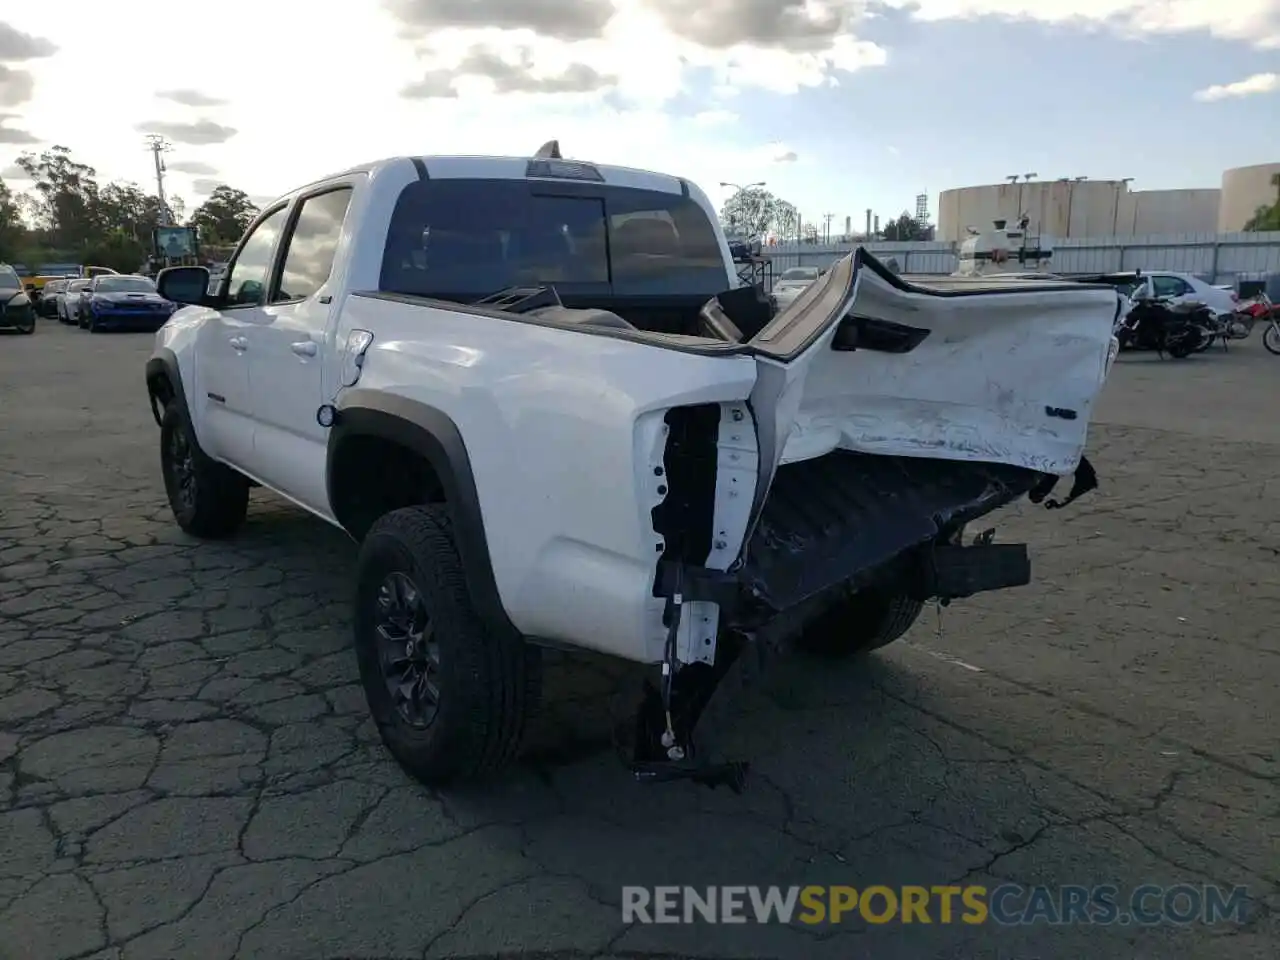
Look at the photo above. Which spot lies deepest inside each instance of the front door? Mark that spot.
(226, 425)
(288, 350)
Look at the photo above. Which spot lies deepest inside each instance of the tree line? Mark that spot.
(754, 212)
(69, 216)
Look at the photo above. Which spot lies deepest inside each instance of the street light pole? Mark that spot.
(159, 145)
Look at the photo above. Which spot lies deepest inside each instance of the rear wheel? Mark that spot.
(859, 623)
(1271, 339)
(209, 499)
(449, 695)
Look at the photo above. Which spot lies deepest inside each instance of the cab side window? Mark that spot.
(312, 245)
(247, 276)
(1170, 286)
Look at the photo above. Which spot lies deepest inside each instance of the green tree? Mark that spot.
(1267, 217)
(13, 235)
(786, 219)
(754, 211)
(65, 197)
(907, 228)
(224, 217)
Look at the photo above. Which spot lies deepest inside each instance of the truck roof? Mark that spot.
(456, 167)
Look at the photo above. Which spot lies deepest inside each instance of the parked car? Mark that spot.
(792, 283)
(16, 310)
(47, 306)
(67, 306)
(122, 301)
(552, 416)
(1178, 288)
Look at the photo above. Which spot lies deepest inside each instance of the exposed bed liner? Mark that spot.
(849, 515)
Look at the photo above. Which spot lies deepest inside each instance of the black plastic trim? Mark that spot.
(420, 167)
(882, 336)
(434, 436)
(165, 363)
(684, 187)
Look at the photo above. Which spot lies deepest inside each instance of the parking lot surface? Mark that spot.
(186, 768)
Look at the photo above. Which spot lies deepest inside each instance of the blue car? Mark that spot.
(122, 301)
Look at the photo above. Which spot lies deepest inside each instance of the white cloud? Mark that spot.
(1256, 22)
(1249, 86)
(715, 118)
(601, 75)
(491, 76)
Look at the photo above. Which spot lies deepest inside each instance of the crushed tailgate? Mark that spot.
(849, 516)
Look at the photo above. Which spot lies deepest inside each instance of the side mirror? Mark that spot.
(183, 284)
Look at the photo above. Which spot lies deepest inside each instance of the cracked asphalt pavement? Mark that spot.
(187, 770)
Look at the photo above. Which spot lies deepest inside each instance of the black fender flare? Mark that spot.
(434, 436)
(165, 363)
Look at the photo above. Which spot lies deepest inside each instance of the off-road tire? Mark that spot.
(1271, 339)
(489, 681)
(859, 623)
(220, 497)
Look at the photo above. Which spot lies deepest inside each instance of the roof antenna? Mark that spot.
(549, 151)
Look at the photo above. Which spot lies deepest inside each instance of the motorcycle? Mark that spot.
(1261, 308)
(1176, 329)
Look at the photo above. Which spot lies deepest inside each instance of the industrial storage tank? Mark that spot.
(1059, 208)
(1078, 208)
(1244, 190)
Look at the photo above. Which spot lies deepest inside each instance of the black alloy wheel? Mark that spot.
(182, 464)
(407, 650)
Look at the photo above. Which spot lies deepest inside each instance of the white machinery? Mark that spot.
(1004, 251)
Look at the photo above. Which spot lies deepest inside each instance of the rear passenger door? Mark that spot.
(289, 344)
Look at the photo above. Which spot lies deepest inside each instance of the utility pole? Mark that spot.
(158, 146)
(827, 226)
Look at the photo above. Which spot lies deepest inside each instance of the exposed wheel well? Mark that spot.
(371, 476)
(160, 389)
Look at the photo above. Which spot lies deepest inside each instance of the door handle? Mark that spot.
(304, 348)
(240, 343)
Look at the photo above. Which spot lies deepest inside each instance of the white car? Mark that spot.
(1184, 287)
(792, 282)
(537, 395)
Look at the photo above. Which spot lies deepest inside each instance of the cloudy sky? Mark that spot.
(838, 105)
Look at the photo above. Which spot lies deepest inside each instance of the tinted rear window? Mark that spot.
(465, 239)
(9, 277)
(125, 285)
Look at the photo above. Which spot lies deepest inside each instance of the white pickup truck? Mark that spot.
(535, 393)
